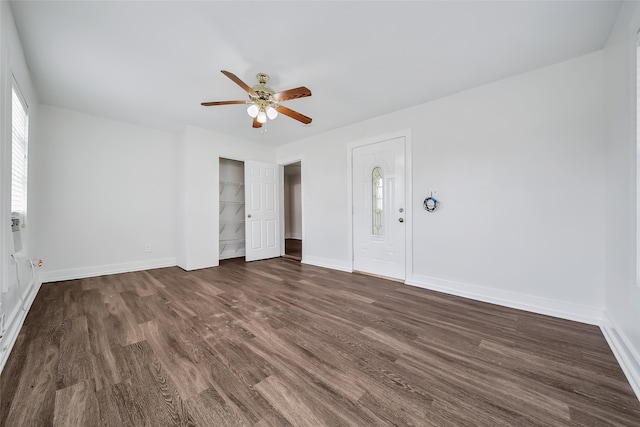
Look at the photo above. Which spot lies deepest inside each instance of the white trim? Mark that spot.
(636, 146)
(333, 264)
(633, 30)
(546, 306)
(5, 166)
(281, 220)
(188, 266)
(17, 320)
(625, 354)
(407, 134)
(101, 270)
(408, 194)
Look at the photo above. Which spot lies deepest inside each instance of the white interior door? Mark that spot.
(379, 208)
(262, 210)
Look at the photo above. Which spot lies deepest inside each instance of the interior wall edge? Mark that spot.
(13, 330)
(623, 351)
(101, 270)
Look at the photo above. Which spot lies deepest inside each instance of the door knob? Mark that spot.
(249, 216)
(401, 219)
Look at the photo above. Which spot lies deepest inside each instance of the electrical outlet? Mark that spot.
(147, 248)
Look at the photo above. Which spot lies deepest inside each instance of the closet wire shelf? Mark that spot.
(231, 220)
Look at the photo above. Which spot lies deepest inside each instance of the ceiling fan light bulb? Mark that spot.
(272, 113)
(261, 117)
(252, 110)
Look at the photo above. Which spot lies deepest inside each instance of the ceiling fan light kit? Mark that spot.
(253, 110)
(263, 102)
(272, 113)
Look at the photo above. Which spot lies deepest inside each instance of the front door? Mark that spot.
(262, 236)
(379, 208)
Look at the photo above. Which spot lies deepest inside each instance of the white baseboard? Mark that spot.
(327, 263)
(627, 357)
(101, 270)
(16, 321)
(191, 266)
(549, 307)
(293, 236)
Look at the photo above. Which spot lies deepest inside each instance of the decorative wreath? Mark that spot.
(430, 204)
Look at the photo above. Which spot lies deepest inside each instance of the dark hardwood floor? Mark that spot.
(277, 343)
(293, 248)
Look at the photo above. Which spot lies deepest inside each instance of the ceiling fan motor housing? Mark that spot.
(263, 91)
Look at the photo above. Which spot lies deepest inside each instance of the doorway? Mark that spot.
(379, 220)
(293, 211)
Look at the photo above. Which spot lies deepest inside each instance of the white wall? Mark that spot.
(200, 151)
(518, 164)
(12, 63)
(622, 326)
(519, 168)
(324, 206)
(102, 191)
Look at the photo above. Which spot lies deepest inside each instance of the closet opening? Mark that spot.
(232, 209)
(293, 211)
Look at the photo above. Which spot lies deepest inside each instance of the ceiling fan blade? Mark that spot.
(285, 95)
(293, 114)
(256, 123)
(209, 104)
(239, 82)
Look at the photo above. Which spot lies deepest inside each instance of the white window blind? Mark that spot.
(19, 150)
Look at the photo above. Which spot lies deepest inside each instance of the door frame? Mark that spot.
(282, 164)
(408, 186)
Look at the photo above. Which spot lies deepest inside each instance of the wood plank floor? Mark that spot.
(280, 343)
(293, 248)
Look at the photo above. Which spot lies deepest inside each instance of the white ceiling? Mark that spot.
(152, 63)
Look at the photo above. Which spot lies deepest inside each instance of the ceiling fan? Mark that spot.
(264, 102)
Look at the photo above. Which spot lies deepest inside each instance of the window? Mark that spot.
(19, 150)
(377, 198)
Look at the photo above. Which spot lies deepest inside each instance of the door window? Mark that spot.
(377, 202)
